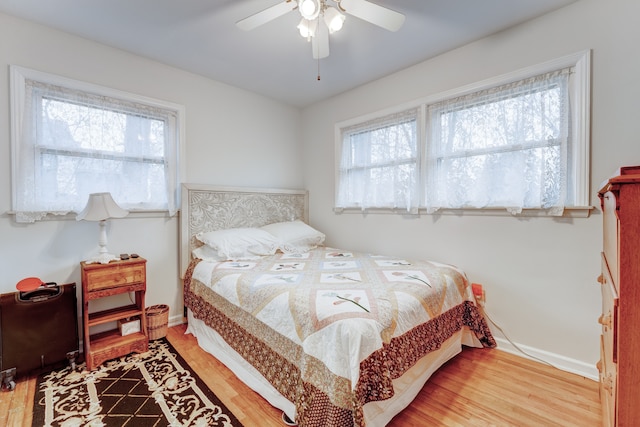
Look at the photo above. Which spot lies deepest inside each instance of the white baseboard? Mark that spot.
(563, 363)
(176, 320)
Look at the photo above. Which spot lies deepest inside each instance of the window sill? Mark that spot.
(569, 212)
(72, 215)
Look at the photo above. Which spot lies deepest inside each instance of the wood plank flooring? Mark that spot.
(480, 387)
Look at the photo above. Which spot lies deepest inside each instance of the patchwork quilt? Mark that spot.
(331, 329)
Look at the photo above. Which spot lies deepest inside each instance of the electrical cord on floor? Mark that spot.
(498, 327)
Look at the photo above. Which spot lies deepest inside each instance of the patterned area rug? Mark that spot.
(156, 388)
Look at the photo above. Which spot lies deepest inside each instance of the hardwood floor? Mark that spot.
(480, 387)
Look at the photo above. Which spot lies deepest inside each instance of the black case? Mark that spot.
(38, 330)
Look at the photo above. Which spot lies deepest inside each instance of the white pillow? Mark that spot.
(240, 243)
(295, 236)
(207, 253)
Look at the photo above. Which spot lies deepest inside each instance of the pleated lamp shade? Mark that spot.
(101, 206)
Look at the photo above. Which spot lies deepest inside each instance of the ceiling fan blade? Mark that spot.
(264, 16)
(320, 42)
(373, 13)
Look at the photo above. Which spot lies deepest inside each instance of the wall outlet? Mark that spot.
(478, 293)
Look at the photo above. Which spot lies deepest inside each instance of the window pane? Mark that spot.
(520, 118)
(65, 177)
(74, 126)
(380, 186)
(531, 179)
(380, 146)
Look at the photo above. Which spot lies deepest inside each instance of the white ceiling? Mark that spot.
(200, 36)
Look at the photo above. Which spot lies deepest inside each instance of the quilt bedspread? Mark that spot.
(331, 329)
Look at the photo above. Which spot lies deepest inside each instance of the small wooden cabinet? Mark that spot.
(619, 363)
(106, 280)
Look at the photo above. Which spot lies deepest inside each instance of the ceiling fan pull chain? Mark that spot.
(318, 54)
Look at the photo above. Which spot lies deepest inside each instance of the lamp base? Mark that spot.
(103, 258)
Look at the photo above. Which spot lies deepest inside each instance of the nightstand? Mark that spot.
(106, 280)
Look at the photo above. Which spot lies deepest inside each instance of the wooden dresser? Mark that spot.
(619, 363)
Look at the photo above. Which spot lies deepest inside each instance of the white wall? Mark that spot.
(217, 140)
(539, 273)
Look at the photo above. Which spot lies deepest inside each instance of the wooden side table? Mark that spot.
(105, 280)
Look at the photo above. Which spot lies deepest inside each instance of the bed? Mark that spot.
(329, 336)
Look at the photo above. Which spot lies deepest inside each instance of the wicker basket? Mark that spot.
(157, 321)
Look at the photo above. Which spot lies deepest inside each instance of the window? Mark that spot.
(379, 163)
(501, 147)
(70, 139)
(517, 142)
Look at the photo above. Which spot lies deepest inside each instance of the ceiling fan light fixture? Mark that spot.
(333, 19)
(307, 28)
(309, 9)
(317, 31)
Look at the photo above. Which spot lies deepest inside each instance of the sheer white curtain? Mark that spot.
(379, 164)
(72, 143)
(504, 147)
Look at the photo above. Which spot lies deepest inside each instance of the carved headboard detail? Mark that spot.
(209, 208)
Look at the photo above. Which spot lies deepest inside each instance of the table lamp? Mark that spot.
(101, 207)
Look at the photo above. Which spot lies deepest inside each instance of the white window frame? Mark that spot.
(384, 118)
(18, 77)
(580, 101)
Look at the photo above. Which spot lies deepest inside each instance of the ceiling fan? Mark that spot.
(320, 18)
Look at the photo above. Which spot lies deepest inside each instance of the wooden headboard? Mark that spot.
(209, 208)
